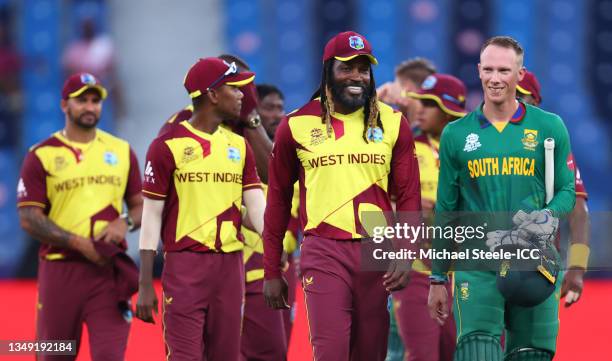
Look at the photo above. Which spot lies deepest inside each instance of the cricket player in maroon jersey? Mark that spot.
(343, 148)
(197, 175)
(71, 194)
(264, 330)
(247, 125)
(578, 253)
(442, 99)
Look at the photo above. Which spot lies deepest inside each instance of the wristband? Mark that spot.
(129, 221)
(438, 279)
(578, 255)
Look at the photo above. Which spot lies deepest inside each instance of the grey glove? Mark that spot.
(541, 225)
(498, 239)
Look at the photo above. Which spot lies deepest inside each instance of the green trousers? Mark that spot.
(479, 307)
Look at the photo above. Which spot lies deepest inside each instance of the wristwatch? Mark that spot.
(129, 221)
(254, 121)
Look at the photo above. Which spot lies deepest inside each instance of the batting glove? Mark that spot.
(541, 225)
(498, 239)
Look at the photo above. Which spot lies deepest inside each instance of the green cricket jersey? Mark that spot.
(484, 169)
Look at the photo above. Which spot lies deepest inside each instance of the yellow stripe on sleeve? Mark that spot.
(31, 203)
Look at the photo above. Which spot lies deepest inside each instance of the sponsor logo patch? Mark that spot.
(60, 163)
(317, 136)
(472, 142)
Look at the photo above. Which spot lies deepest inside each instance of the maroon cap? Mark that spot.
(530, 86)
(348, 45)
(210, 73)
(78, 83)
(446, 90)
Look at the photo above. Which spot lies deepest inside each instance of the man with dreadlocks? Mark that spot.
(344, 148)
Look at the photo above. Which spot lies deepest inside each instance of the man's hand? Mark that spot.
(86, 247)
(276, 293)
(397, 276)
(147, 303)
(572, 286)
(114, 232)
(437, 302)
(390, 93)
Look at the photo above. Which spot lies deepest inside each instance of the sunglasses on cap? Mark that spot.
(233, 69)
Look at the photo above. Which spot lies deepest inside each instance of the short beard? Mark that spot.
(80, 123)
(349, 102)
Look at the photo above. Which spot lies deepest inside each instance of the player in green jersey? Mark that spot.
(492, 160)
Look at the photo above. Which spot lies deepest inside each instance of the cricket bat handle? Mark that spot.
(549, 168)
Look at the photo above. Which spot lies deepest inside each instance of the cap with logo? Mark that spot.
(446, 90)
(78, 83)
(211, 73)
(530, 86)
(348, 45)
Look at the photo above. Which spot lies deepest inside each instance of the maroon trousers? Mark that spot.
(346, 307)
(423, 338)
(202, 305)
(263, 330)
(71, 293)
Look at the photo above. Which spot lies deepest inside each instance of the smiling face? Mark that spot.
(500, 69)
(83, 111)
(350, 84)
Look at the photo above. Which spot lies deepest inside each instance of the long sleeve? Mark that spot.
(447, 199)
(405, 171)
(282, 174)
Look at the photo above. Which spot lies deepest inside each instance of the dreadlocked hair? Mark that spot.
(327, 103)
(371, 114)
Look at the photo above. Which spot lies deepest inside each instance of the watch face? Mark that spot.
(255, 120)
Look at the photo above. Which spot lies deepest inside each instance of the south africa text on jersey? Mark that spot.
(493, 166)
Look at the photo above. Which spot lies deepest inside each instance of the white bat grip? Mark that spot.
(549, 168)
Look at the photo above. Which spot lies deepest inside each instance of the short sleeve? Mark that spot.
(32, 186)
(134, 181)
(580, 187)
(250, 178)
(159, 168)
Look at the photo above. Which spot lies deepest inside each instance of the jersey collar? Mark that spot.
(516, 118)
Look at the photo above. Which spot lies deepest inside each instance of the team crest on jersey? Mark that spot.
(188, 154)
(472, 142)
(60, 163)
(464, 291)
(316, 136)
(375, 134)
(233, 154)
(110, 158)
(356, 42)
(504, 268)
(530, 139)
